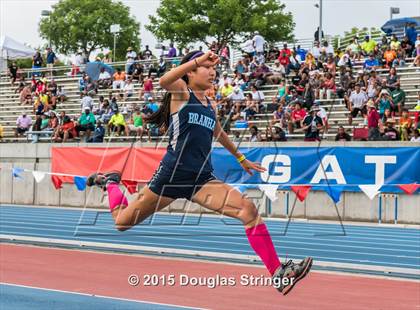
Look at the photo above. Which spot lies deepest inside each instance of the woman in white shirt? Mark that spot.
(258, 97)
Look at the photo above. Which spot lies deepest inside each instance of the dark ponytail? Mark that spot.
(161, 117)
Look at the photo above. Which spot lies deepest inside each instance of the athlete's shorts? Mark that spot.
(182, 184)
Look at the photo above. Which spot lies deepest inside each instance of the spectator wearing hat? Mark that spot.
(373, 122)
(224, 79)
(390, 133)
(151, 105)
(357, 103)
(384, 102)
(368, 45)
(312, 124)
(275, 133)
(130, 57)
(342, 135)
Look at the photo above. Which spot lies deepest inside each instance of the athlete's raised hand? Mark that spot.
(249, 165)
(209, 59)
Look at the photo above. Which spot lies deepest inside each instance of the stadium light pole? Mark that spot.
(115, 29)
(46, 13)
(319, 6)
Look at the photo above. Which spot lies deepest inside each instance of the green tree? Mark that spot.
(227, 21)
(75, 25)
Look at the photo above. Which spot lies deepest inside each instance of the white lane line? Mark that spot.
(99, 296)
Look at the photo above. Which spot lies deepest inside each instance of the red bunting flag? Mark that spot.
(131, 186)
(58, 183)
(409, 188)
(301, 191)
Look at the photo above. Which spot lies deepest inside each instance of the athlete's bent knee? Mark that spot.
(248, 212)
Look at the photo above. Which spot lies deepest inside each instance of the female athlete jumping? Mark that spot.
(186, 171)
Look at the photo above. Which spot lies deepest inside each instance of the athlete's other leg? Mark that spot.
(226, 200)
(138, 210)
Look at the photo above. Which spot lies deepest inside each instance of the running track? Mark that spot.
(364, 247)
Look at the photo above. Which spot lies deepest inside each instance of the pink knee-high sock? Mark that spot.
(260, 240)
(115, 196)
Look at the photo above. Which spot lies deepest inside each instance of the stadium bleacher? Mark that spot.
(10, 107)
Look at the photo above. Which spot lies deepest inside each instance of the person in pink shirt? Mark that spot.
(297, 115)
(374, 120)
(23, 123)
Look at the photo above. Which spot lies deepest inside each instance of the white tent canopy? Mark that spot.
(12, 49)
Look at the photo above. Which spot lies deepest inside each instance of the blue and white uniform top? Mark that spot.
(190, 137)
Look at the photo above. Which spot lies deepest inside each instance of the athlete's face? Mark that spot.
(203, 77)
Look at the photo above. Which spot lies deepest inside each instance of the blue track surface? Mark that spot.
(366, 245)
(23, 298)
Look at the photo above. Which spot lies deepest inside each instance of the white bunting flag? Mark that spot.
(371, 190)
(270, 190)
(38, 175)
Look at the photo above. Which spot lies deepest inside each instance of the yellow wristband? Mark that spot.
(241, 159)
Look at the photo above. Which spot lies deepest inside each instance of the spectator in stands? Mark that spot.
(257, 97)
(296, 117)
(1, 132)
(279, 117)
(151, 105)
(161, 67)
(373, 122)
(258, 43)
(316, 34)
(368, 46)
(342, 135)
(23, 123)
(237, 96)
(414, 138)
(371, 63)
(316, 50)
(355, 48)
(390, 133)
(147, 53)
(86, 123)
(172, 51)
(13, 71)
(345, 60)
(277, 73)
(407, 47)
(255, 134)
(328, 87)
(406, 123)
(137, 73)
(130, 56)
(51, 59)
(387, 115)
(86, 102)
(98, 134)
(104, 79)
(389, 57)
(77, 64)
(36, 127)
(65, 131)
(275, 133)
(395, 44)
(37, 62)
(224, 79)
(312, 124)
(398, 98)
(117, 124)
(392, 79)
(411, 33)
(357, 103)
(147, 90)
(119, 78)
(136, 123)
(284, 58)
(128, 89)
(384, 102)
(328, 49)
(26, 96)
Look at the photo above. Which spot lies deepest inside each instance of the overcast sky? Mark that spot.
(19, 18)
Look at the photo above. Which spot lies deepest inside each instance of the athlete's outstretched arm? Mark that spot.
(223, 139)
(172, 82)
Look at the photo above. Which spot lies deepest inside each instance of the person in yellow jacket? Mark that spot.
(117, 124)
(1, 132)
